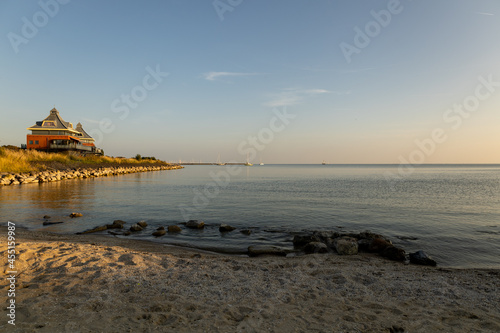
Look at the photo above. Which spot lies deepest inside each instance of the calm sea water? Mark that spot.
(450, 211)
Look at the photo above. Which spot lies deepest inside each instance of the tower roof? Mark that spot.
(80, 129)
(53, 122)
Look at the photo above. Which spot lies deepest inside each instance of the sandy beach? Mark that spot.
(92, 283)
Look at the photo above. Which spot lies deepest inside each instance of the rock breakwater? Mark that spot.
(82, 173)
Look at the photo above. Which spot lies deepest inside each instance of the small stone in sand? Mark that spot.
(46, 217)
(142, 224)
(246, 232)
(75, 215)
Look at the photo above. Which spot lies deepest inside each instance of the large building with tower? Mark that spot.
(54, 134)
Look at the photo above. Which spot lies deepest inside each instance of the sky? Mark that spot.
(282, 81)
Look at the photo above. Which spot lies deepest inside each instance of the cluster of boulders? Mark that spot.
(139, 226)
(344, 244)
(352, 243)
(308, 243)
(57, 175)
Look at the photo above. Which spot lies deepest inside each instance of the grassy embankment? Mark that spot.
(19, 161)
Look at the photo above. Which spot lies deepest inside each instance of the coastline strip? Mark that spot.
(82, 173)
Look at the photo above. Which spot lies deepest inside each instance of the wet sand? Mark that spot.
(94, 283)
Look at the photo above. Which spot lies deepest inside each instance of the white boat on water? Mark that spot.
(219, 162)
(248, 163)
(324, 162)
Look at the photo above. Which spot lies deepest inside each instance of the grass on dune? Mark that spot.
(18, 161)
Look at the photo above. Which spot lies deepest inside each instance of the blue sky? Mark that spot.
(229, 78)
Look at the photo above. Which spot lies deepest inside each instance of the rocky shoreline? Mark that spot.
(344, 244)
(82, 173)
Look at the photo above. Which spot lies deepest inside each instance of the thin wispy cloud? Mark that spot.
(483, 13)
(212, 76)
(292, 96)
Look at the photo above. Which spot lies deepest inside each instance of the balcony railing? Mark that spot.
(69, 147)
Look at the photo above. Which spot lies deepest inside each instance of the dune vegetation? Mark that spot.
(15, 160)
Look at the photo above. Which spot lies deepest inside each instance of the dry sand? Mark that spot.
(90, 283)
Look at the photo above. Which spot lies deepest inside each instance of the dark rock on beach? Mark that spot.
(195, 224)
(49, 223)
(226, 228)
(174, 228)
(364, 245)
(257, 250)
(246, 232)
(394, 253)
(142, 224)
(369, 235)
(303, 240)
(135, 227)
(46, 217)
(315, 247)
(96, 229)
(159, 233)
(117, 224)
(378, 245)
(346, 245)
(421, 258)
(75, 215)
(326, 236)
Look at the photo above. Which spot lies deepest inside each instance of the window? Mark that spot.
(36, 142)
(31, 142)
(49, 124)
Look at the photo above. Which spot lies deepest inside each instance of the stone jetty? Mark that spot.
(81, 173)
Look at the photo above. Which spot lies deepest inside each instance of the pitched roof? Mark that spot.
(80, 129)
(53, 122)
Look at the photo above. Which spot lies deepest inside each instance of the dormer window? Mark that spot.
(49, 124)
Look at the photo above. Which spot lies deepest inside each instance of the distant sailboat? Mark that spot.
(248, 163)
(219, 162)
(324, 162)
(261, 162)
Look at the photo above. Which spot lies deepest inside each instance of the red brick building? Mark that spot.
(55, 134)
